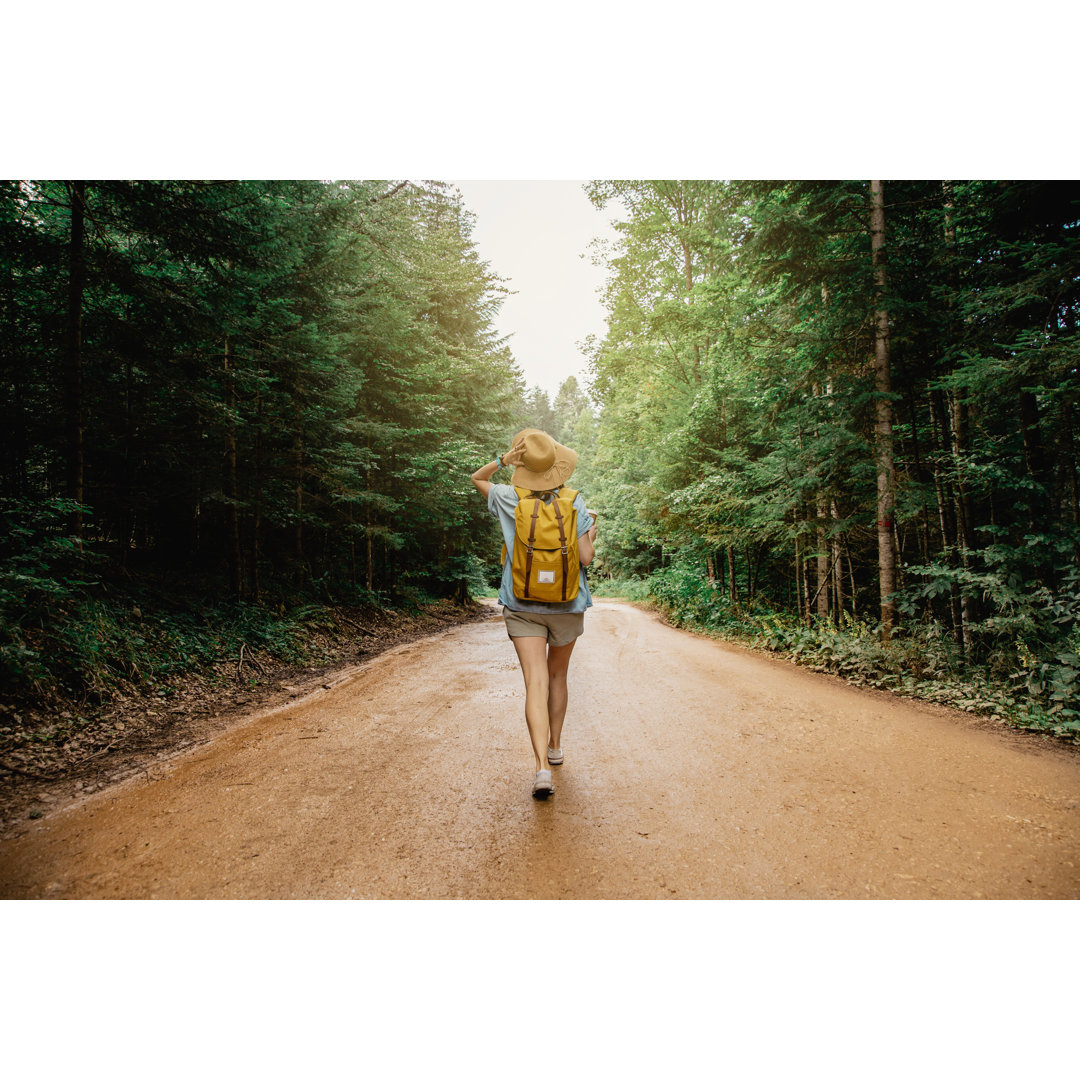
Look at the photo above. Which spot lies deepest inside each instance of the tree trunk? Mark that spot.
(822, 556)
(256, 520)
(74, 409)
(802, 575)
(370, 562)
(798, 571)
(127, 517)
(954, 430)
(235, 556)
(754, 576)
(851, 579)
(965, 524)
(947, 507)
(298, 492)
(838, 569)
(923, 529)
(822, 560)
(883, 434)
(196, 523)
(352, 546)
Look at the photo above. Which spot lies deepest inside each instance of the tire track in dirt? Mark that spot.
(693, 769)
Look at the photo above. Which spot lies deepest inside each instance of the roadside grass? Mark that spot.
(632, 589)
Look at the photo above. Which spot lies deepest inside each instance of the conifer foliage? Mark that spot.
(851, 407)
(265, 392)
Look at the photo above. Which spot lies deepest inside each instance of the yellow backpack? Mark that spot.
(545, 563)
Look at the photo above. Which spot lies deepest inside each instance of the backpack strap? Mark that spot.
(532, 541)
(562, 538)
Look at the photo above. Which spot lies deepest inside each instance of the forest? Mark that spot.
(832, 419)
(228, 407)
(838, 420)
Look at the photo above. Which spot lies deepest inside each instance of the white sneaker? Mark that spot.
(554, 756)
(542, 785)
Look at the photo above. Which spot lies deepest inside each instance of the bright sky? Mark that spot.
(537, 234)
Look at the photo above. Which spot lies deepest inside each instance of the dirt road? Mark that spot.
(693, 770)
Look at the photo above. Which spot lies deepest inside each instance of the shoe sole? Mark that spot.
(542, 793)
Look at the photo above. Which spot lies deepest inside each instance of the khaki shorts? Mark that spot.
(558, 629)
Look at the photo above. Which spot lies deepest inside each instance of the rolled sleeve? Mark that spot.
(584, 518)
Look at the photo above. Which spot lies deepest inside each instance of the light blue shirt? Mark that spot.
(502, 502)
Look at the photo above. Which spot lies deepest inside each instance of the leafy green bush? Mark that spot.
(1031, 637)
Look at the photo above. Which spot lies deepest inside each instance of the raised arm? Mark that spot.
(482, 477)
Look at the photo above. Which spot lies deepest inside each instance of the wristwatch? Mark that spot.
(499, 460)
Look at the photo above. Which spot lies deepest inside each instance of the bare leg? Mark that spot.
(558, 660)
(532, 655)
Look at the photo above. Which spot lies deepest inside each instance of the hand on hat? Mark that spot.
(516, 455)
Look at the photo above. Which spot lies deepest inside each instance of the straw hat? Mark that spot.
(546, 464)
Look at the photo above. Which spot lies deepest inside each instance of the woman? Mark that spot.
(543, 633)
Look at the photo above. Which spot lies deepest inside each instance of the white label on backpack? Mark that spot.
(546, 577)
